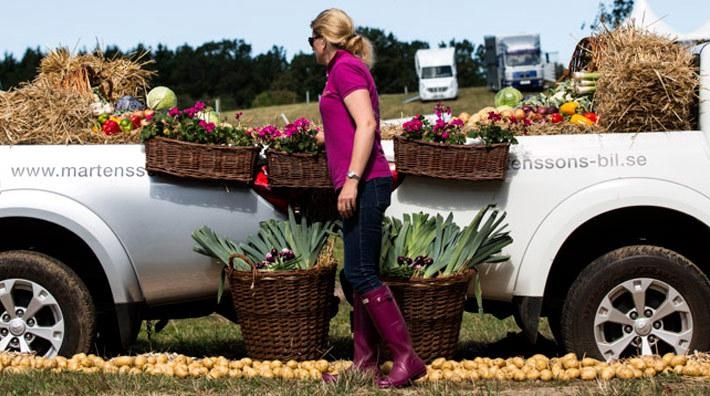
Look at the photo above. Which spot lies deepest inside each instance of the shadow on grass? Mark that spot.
(215, 336)
(339, 348)
(514, 344)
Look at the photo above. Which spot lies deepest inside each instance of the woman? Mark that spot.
(349, 108)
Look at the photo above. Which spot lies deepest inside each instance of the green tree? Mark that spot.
(612, 15)
(304, 77)
(469, 69)
(13, 72)
(394, 61)
(269, 67)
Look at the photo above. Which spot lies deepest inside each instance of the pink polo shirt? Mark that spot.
(347, 73)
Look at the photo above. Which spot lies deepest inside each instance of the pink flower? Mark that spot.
(290, 130)
(269, 131)
(190, 112)
(208, 126)
(302, 123)
(413, 125)
(174, 112)
(493, 116)
(440, 109)
(199, 106)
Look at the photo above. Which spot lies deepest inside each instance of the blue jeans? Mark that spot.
(362, 235)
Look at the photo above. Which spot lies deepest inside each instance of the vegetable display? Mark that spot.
(161, 98)
(426, 246)
(279, 245)
(508, 96)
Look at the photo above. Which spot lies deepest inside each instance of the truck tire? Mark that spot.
(45, 308)
(637, 300)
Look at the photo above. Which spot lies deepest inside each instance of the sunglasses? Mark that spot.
(312, 39)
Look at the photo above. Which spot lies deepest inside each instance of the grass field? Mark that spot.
(470, 100)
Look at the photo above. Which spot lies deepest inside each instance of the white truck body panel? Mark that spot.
(556, 183)
(551, 189)
(106, 191)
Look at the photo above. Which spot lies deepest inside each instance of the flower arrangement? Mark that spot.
(444, 129)
(296, 137)
(196, 124)
(494, 129)
(266, 134)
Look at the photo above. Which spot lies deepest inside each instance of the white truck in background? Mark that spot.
(517, 61)
(436, 70)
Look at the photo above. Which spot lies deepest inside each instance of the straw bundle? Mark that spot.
(646, 83)
(387, 132)
(562, 128)
(55, 107)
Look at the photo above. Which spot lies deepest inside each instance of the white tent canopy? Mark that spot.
(643, 16)
(701, 33)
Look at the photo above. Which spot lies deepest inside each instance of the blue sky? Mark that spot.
(76, 24)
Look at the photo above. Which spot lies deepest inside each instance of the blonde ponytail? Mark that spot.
(337, 28)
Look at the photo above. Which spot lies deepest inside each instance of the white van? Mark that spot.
(436, 70)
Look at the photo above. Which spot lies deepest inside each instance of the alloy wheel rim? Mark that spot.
(31, 319)
(642, 316)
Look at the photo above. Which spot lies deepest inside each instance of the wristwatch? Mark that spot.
(353, 175)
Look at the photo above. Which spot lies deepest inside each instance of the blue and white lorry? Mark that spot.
(516, 61)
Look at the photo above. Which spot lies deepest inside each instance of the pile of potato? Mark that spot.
(568, 367)
(537, 367)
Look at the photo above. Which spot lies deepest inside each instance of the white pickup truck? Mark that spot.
(610, 234)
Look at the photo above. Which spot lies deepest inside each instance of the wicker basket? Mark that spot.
(433, 309)
(284, 315)
(297, 170)
(451, 161)
(200, 161)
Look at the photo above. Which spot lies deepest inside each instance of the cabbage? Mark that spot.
(508, 96)
(161, 98)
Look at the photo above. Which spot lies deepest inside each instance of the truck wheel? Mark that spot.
(637, 300)
(44, 307)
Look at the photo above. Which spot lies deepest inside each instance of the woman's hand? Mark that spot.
(347, 200)
(320, 138)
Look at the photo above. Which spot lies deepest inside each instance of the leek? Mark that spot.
(580, 75)
(585, 90)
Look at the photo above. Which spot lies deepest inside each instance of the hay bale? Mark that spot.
(55, 107)
(647, 82)
(388, 132)
(562, 128)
